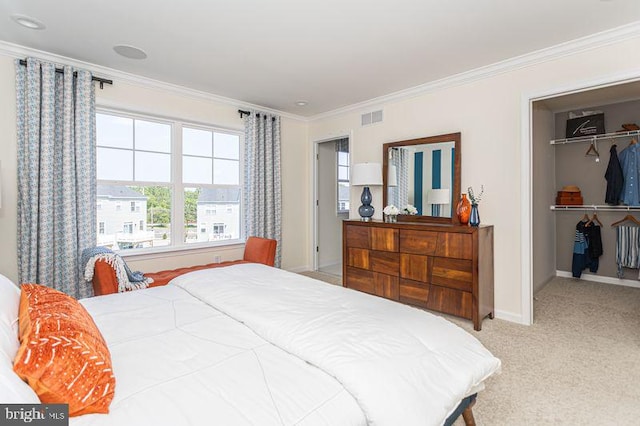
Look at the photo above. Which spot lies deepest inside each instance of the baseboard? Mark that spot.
(601, 279)
(330, 263)
(298, 269)
(510, 316)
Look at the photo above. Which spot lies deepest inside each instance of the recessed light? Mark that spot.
(28, 22)
(130, 52)
(301, 103)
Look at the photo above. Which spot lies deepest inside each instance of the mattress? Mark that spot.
(251, 344)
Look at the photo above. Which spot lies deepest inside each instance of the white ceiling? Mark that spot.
(331, 53)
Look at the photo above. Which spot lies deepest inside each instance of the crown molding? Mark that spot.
(592, 41)
(20, 52)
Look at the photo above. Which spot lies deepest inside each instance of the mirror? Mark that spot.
(425, 173)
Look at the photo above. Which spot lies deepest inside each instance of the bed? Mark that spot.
(250, 344)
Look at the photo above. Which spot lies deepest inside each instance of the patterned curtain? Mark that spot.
(262, 189)
(56, 174)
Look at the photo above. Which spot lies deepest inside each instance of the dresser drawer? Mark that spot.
(358, 236)
(452, 273)
(450, 301)
(361, 280)
(414, 293)
(414, 267)
(418, 242)
(385, 262)
(384, 239)
(456, 245)
(358, 258)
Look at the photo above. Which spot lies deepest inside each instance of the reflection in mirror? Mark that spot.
(422, 175)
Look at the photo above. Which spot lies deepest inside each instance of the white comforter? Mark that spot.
(404, 366)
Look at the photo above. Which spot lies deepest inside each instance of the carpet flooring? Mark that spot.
(578, 364)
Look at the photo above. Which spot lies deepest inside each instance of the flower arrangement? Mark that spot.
(390, 210)
(410, 209)
(475, 199)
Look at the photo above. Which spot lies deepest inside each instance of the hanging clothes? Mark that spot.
(581, 259)
(614, 177)
(594, 243)
(630, 161)
(627, 248)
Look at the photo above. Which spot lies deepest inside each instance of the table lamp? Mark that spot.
(366, 174)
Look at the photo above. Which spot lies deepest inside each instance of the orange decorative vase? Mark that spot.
(463, 209)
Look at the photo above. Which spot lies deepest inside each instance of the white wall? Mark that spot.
(148, 100)
(488, 113)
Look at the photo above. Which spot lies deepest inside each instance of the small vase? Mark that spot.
(391, 218)
(474, 218)
(463, 209)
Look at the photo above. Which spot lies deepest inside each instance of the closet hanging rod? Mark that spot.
(593, 138)
(598, 208)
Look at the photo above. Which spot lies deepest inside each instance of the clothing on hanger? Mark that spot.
(582, 257)
(627, 248)
(614, 177)
(630, 163)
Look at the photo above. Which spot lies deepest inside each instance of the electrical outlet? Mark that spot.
(217, 259)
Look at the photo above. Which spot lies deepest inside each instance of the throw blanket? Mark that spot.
(403, 365)
(127, 279)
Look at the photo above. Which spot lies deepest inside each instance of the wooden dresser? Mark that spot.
(446, 268)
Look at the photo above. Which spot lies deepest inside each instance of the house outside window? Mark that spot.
(145, 148)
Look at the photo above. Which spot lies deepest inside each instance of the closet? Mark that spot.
(581, 162)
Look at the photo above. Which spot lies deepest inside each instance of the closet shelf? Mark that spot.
(595, 137)
(602, 208)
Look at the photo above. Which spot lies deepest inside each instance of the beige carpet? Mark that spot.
(579, 364)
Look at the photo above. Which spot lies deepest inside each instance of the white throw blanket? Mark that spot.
(404, 366)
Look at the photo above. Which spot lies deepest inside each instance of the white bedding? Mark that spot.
(253, 345)
(178, 361)
(404, 366)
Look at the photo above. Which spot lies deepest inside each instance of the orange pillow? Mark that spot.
(62, 354)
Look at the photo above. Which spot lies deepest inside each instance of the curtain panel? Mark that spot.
(56, 174)
(262, 181)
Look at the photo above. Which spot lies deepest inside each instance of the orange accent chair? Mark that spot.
(256, 250)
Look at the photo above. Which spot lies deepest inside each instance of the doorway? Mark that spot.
(332, 164)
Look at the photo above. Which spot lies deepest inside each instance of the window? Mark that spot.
(211, 169)
(101, 228)
(218, 229)
(342, 153)
(150, 164)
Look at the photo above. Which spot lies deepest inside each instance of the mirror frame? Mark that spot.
(449, 137)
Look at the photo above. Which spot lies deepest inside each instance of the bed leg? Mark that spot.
(467, 415)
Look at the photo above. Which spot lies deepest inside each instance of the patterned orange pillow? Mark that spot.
(62, 354)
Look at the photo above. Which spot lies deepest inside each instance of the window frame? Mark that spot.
(339, 181)
(176, 186)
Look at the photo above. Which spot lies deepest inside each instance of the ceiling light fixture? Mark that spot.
(28, 22)
(130, 52)
(301, 103)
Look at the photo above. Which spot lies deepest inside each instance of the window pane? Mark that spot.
(196, 170)
(144, 223)
(114, 131)
(211, 214)
(343, 173)
(152, 167)
(226, 146)
(115, 164)
(343, 158)
(196, 142)
(226, 172)
(152, 136)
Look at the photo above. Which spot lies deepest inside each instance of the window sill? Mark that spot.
(173, 251)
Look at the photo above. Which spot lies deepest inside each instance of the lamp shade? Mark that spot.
(392, 176)
(366, 174)
(438, 196)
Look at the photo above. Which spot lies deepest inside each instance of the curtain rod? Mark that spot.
(102, 81)
(243, 113)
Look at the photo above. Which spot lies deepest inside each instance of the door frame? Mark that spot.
(526, 173)
(314, 200)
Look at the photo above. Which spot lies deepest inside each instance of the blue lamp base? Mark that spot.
(366, 209)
